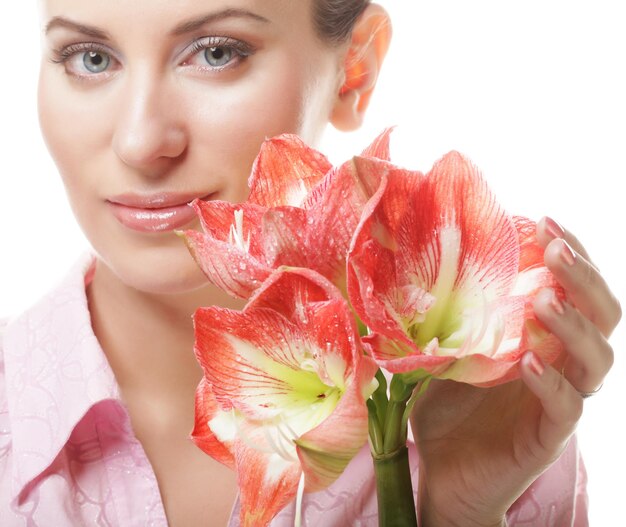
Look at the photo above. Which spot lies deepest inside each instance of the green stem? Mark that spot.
(380, 396)
(388, 433)
(375, 428)
(396, 504)
(392, 433)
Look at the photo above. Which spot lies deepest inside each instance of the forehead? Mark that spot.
(159, 16)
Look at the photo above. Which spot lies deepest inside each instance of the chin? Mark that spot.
(164, 270)
(167, 281)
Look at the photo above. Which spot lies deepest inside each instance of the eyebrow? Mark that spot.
(59, 21)
(181, 29)
(196, 23)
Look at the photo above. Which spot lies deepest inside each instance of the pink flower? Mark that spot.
(280, 379)
(445, 279)
(301, 212)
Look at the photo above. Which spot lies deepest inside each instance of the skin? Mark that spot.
(161, 120)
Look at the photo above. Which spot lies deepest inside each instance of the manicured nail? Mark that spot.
(554, 229)
(557, 304)
(567, 254)
(535, 364)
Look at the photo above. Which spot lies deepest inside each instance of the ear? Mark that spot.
(364, 58)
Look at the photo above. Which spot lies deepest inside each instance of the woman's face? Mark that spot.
(146, 105)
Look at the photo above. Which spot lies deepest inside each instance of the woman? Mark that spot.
(145, 107)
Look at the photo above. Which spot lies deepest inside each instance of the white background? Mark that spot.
(532, 91)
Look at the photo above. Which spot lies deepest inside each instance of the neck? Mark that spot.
(148, 338)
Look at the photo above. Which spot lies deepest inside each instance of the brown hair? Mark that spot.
(334, 19)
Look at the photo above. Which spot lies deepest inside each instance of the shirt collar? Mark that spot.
(55, 372)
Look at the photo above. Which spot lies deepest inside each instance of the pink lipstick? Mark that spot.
(155, 212)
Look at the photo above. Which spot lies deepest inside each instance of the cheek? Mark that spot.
(230, 122)
(75, 142)
(68, 118)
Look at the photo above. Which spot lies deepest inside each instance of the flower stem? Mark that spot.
(393, 438)
(375, 429)
(388, 434)
(396, 504)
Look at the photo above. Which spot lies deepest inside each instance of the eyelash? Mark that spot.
(61, 56)
(241, 51)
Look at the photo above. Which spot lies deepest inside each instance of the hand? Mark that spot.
(481, 448)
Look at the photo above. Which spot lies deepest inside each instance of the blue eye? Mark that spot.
(96, 61)
(214, 54)
(86, 60)
(218, 56)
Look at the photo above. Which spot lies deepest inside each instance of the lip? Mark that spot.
(160, 212)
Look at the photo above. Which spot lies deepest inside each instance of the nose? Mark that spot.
(149, 133)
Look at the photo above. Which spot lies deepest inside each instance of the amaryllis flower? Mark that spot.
(301, 212)
(445, 279)
(280, 379)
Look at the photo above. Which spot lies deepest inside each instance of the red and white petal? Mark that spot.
(481, 370)
(239, 224)
(488, 328)
(452, 241)
(372, 287)
(267, 483)
(531, 253)
(252, 360)
(530, 281)
(400, 356)
(284, 237)
(219, 446)
(331, 329)
(380, 146)
(288, 290)
(533, 275)
(325, 452)
(375, 236)
(536, 338)
(334, 210)
(285, 170)
(455, 206)
(235, 271)
(484, 371)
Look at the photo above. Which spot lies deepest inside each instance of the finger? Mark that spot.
(549, 229)
(562, 405)
(589, 355)
(584, 285)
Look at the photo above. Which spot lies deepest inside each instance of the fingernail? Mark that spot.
(535, 364)
(554, 229)
(567, 254)
(556, 304)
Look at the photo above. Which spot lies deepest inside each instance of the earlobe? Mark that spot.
(364, 58)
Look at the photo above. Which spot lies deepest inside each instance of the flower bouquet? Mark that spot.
(363, 282)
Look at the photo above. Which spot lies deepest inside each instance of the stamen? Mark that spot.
(297, 522)
(235, 236)
(277, 448)
(285, 423)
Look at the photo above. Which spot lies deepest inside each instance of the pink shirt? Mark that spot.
(68, 454)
